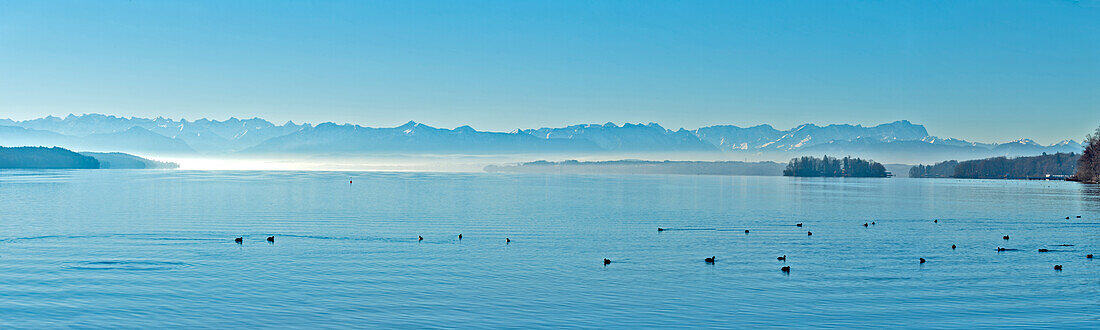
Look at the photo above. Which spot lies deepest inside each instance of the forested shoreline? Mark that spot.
(1056, 165)
(61, 158)
(1083, 167)
(44, 158)
(938, 170)
(1088, 166)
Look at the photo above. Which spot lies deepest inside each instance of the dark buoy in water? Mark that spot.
(1057, 267)
(783, 258)
(709, 260)
(606, 261)
(239, 240)
(952, 246)
(660, 229)
(419, 238)
(809, 233)
(1044, 250)
(922, 260)
(1005, 237)
(271, 239)
(798, 224)
(786, 269)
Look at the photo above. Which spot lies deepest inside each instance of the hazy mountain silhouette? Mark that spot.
(899, 141)
(628, 137)
(209, 136)
(412, 137)
(134, 139)
(729, 137)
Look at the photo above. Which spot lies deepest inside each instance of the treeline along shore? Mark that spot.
(1083, 167)
(61, 158)
(1088, 166)
(1059, 165)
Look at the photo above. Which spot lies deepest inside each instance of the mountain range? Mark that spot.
(900, 141)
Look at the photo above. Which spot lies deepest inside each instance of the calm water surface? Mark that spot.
(120, 248)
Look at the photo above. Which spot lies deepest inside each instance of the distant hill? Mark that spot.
(896, 142)
(644, 167)
(118, 160)
(44, 158)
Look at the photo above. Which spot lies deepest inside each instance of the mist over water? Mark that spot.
(153, 248)
(420, 162)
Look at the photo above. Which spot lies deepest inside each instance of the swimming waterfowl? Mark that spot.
(606, 261)
(271, 239)
(936, 221)
(1005, 237)
(660, 229)
(709, 260)
(1067, 218)
(786, 269)
(999, 249)
(1057, 267)
(746, 231)
(872, 223)
(783, 258)
(952, 246)
(507, 240)
(922, 260)
(419, 238)
(798, 224)
(238, 239)
(1044, 250)
(1088, 256)
(460, 236)
(865, 224)
(809, 233)
(1078, 217)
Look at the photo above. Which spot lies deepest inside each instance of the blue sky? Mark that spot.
(978, 70)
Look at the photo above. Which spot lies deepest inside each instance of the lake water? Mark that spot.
(126, 248)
